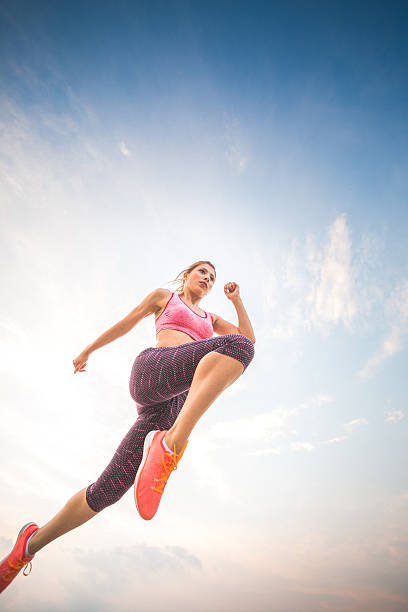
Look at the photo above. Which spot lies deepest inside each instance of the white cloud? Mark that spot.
(319, 282)
(316, 402)
(266, 451)
(11, 327)
(394, 415)
(351, 425)
(397, 305)
(236, 158)
(349, 428)
(332, 294)
(335, 440)
(266, 426)
(397, 311)
(234, 153)
(299, 446)
(390, 345)
(124, 150)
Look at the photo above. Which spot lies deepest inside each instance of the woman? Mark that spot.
(172, 385)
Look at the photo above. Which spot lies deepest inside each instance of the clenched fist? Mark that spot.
(231, 290)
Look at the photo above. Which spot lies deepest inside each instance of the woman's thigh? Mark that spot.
(159, 374)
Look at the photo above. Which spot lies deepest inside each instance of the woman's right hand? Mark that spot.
(80, 362)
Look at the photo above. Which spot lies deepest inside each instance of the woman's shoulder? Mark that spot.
(163, 292)
(162, 297)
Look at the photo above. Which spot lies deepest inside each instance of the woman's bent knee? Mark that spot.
(247, 347)
(240, 347)
(99, 499)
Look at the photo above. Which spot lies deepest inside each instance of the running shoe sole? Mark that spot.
(146, 447)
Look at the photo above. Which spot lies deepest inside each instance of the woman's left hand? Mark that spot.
(231, 290)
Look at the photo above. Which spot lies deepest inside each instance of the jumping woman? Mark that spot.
(172, 384)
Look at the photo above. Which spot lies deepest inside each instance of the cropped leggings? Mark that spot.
(159, 383)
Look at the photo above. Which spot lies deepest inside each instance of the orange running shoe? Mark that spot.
(16, 560)
(155, 468)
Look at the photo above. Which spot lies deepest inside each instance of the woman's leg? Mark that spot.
(119, 475)
(203, 368)
(209, 367)
(214, 374)
(158, 374)
(75, 512)
(114, 481)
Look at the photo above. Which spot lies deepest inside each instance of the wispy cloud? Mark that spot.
(234, 153)
(351, 425)
(236, 158)
(124, 150)
(335, 440)
(299, 446)
(320, 283)
(397, 312)
(267, 427)
(394, 415)
(332, 294)
(347, 427)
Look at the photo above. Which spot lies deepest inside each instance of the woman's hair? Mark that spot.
(179, 278)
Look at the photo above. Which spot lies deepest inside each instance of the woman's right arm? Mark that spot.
(151, 304)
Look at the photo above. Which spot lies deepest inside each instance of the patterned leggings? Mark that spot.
(159, 383)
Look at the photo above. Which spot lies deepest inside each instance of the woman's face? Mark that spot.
(201, 279)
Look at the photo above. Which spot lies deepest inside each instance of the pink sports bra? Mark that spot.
(178, 315)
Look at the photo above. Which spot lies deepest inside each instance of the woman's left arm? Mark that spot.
(223, 327)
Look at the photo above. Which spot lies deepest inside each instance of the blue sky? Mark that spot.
(271, 139)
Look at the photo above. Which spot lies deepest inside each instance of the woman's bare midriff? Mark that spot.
(172, 337)
(169, 337)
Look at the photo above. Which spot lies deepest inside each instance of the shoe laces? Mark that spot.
(15, 568)
(170, 462)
